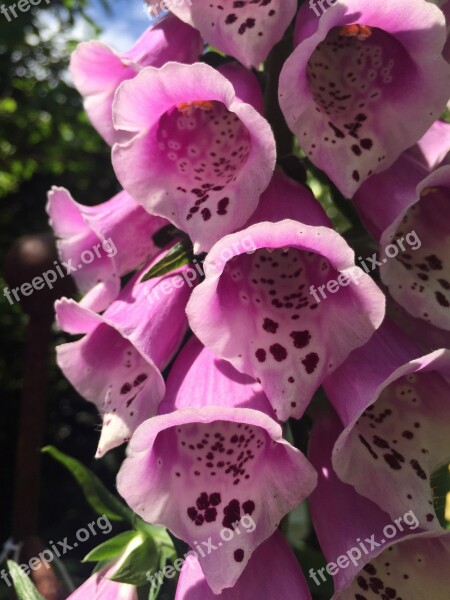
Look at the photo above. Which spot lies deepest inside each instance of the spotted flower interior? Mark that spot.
(246, 29)
(351, 77)
(126, 397)
(419, 279)
(401, 439)
(404, 571)
(218, 462)
(285, 339)
(206, 146)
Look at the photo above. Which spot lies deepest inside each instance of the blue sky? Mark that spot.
(125, 23)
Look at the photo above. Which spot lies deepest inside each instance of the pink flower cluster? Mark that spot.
(192, 147)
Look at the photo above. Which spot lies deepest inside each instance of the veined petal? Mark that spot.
(97, 70)
(116, 237)
(199, 472)
(345, 91)
(261, 308)
(247, 30)
(194, 150)
(273, 572)
(117, 364)
(395, 410)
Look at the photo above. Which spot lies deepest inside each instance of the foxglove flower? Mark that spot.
(272, 573)
(201, 470)
(247, 30)
(117, 364)
(99, 587)
(265, 312)
(97, 70)
(194, 150)
(116, 237)
(371, 556)
(346, 90)
(417, 275)
(396, 415)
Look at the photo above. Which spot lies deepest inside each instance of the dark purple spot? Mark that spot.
(140, 379)
(239, 555)
(215, 499)
(310, 362)
(192, 513)
(261, 355)
(366, 143)
(248, 507)
(270, 326)
(301, 338)
(278, 352)
(210, 515)
(126, 388)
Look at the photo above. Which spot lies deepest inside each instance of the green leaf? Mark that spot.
(101, 500)
(22, 584)
(111, 548)
(178, 256)
(157, 532)
(140, 557)
(440, 484)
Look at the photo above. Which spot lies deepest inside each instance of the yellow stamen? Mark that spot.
(427, 191)
(187, 108)
(361, 32)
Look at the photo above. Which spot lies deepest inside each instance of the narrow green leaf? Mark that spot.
(158, 534)
(139, 557)
(22, 583)
(440, 484)
(101, 500)
(178, 256)
(111, 548)
(155, 588)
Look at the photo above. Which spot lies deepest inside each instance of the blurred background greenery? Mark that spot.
(45, 140)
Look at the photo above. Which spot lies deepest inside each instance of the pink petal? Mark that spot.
(245, 30)
(273, 573)
(194, 149)
(259, 306)
(199, 471)
(347, 97)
